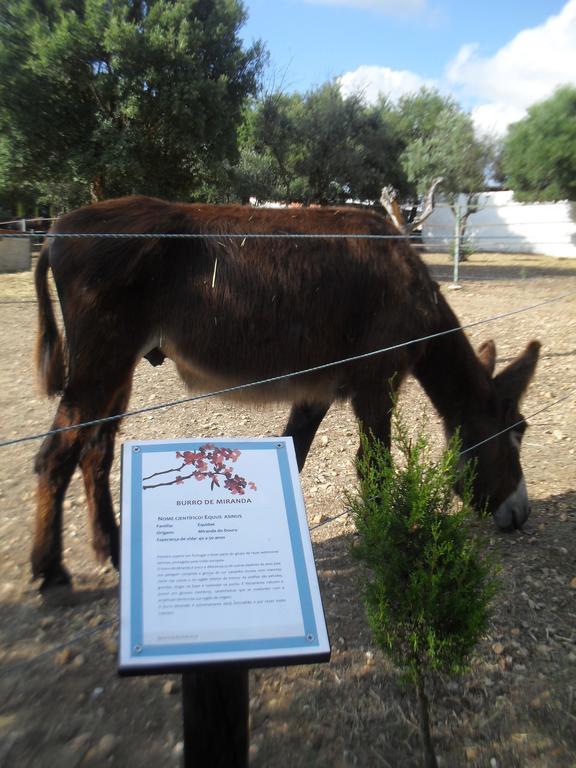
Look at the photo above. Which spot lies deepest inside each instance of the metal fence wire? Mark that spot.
(91, 632)
(249, 385)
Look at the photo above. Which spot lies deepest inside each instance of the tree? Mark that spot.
(253, 176)
(448, 148)
(429, 583)
(16, 196)
(331, 156)
(269, 148)
(326, 148)
(108, 97)
(349, 150)
(415, 116)
(451, 151)
(381, 145)
(539, 156)
(277, 133)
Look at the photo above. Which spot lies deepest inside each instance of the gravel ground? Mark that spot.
(61, 701)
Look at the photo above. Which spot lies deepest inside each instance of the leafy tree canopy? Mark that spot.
(539, 156)
(109, 97)
(441, 142)
(416, 114)
(322, 147)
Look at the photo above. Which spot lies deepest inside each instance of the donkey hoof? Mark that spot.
(56, 577)
(108, 556)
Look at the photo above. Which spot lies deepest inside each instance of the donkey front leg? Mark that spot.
(303, 423)
(95, 462)
(374, 414)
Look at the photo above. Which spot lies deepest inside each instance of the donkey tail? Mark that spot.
(49, 348)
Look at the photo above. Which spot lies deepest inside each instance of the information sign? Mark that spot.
(216, 559)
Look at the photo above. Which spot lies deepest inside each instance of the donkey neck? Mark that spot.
(450, 372)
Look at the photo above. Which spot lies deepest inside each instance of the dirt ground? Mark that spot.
(62, 704)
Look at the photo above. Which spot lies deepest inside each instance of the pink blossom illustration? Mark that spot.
(210, 463)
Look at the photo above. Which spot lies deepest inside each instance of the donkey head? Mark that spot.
(499, 485)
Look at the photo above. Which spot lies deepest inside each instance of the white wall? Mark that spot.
(503, 225)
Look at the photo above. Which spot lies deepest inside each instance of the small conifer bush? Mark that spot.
(429, 583)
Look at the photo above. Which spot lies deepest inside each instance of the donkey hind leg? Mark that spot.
(303, 423)
(96, 459)
(83, 400)
(55, 464)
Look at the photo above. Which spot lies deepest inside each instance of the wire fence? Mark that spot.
(24, 222)
(93, 631)
(84, 634)
(282, 377)
(243, 237)
(440, 237)
(415, 238)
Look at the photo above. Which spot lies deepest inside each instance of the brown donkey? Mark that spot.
(231, 310)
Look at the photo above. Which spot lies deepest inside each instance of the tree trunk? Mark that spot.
(97, 189)
(429, 755)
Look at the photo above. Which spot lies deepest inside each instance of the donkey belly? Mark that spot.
(225, 337)
(199, 375)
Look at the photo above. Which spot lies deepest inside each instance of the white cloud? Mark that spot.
(373, 81)
(524, 71)
(497, 89)
(403, 7)
(492, 119)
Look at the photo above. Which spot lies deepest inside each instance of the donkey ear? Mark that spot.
(487, 355)
(511, 383)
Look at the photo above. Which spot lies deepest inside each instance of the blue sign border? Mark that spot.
(138, 649)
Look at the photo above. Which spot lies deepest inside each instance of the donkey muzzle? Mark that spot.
(514, 511)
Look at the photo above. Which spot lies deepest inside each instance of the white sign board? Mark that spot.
(216, 559)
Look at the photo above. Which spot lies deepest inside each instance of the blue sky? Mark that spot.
(495, 58)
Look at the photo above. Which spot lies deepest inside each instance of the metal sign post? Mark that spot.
(215, 717)
(457, 244)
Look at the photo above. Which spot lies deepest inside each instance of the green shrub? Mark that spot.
(429, 582)
(466, 250)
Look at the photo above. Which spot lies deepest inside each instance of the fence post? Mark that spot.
(215, 714)
(457, 243)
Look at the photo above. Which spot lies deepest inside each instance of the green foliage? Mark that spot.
(331, 153)
(254, 175)
(382, 144)
(273, 140)
(539, 155)
(416, 114)
(440, 141)
(277, 134)
(100, 98)
(107, 97)
(322, 147)
(430, 584)
(449, 148)
(466, 250)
